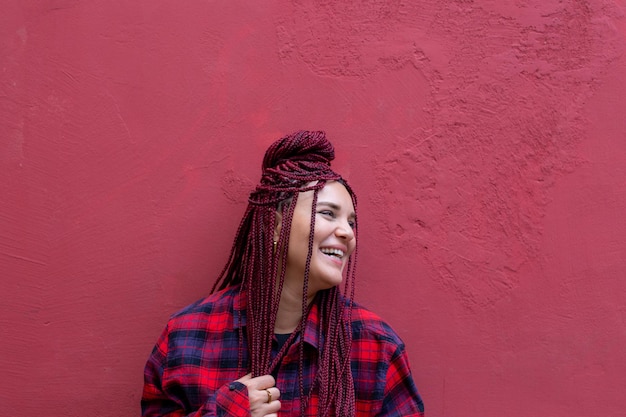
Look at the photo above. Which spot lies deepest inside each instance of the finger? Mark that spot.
(260, 400)
(262, 397)
(274, 393)
(261, 382)
(272, 408)
(259, 405)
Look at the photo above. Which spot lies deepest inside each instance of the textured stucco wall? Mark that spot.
(486, 140)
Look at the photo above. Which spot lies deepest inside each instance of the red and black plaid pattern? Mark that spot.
(198, 356)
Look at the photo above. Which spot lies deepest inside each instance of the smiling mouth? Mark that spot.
(336, 253)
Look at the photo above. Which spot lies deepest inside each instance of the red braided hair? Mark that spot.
(293, 164)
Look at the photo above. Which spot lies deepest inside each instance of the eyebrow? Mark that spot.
(333, 206)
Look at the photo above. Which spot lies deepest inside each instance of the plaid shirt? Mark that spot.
(192, 368)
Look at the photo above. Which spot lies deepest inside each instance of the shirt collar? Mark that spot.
(312, 332)
(240, 302)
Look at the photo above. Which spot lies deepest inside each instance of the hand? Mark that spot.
(258, 394)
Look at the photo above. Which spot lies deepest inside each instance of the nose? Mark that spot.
(344, 231)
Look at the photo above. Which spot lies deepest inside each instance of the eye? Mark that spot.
(352, 224)
(329, 213)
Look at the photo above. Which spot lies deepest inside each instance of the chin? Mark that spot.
(325, 283)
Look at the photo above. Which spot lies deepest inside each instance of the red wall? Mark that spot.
(486, 140)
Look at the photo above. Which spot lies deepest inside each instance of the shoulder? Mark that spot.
(216, 310)
(367, 325)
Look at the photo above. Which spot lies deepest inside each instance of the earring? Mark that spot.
(274, 250)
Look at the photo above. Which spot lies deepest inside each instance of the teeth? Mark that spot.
(333, 252)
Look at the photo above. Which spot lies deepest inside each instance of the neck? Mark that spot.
(289, 310)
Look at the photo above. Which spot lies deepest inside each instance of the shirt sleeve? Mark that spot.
(231, 400)
(401, 397)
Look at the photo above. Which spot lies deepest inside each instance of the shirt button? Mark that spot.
(232, 386)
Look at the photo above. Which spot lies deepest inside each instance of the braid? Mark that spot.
(293, 164)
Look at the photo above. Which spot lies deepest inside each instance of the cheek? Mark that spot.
(351, 248)
(298, 241)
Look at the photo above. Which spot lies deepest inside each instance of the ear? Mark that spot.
(278, 226)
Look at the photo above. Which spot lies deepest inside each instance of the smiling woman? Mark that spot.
(333, 240)
(280, 330)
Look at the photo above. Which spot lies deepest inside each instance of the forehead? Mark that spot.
(335, 193)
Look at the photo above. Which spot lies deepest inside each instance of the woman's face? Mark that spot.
(333, 238)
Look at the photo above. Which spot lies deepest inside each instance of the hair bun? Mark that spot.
(308, 147)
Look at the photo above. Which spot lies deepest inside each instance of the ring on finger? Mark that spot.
(269, 395)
